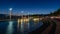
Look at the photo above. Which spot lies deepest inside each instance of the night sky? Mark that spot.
(31, 6)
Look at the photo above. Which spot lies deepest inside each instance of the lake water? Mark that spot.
(11, 27)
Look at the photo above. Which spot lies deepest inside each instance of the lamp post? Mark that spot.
(10, 12)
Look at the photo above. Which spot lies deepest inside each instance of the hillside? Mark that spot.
(56, 13)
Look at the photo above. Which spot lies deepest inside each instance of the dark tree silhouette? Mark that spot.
(56, 13)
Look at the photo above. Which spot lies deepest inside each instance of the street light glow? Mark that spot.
(10, 9)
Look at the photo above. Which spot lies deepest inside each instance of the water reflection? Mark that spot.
(23, 27)
(10, 28)
(29, 26)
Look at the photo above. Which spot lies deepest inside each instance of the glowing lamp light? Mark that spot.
(10, 9)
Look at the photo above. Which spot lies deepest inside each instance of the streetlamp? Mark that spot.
(10, 12)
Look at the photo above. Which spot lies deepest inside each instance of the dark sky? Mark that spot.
(31, 6)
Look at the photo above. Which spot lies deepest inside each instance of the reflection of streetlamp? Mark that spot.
(10, 28)
(10, 12)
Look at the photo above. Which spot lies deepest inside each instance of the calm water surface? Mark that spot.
(11, 27)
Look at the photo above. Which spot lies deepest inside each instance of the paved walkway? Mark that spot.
(53, 28)
(57, 27)
(47, 30)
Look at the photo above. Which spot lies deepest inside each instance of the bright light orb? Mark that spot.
(10, 9)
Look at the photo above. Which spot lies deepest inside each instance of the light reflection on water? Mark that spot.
(12, 28)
